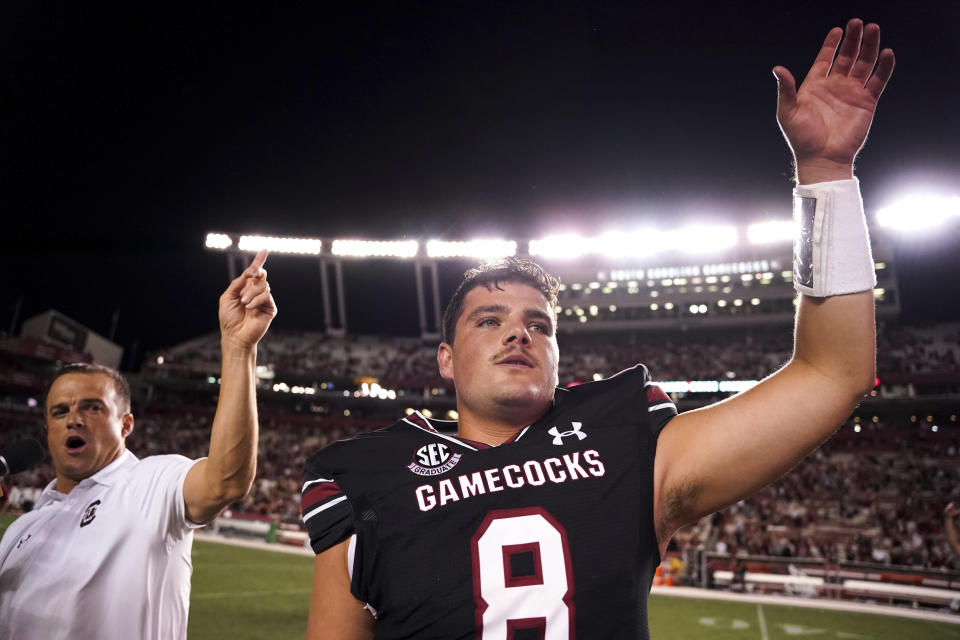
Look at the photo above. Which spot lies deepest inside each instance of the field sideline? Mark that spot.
(242, 593)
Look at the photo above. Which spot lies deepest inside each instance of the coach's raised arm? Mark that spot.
(710, 458)
(110, 538)
(226, 475)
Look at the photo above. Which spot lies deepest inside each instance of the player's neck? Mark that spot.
(492, 430)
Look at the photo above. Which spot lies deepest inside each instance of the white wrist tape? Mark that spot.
(831, 252)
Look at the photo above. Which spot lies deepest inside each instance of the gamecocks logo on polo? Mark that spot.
(90, 513)
(558, 436)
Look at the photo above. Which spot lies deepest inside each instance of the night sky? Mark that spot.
(130, 131)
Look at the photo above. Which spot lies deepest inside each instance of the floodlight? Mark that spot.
(614, 245)
(483, 249)
(275, 244)
(782, 231)
(920, 212)
(640, 243)
(376, 248)
(218, 241)
(560, 247)
(702, 238)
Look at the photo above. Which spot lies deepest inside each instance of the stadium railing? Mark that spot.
(816, 577)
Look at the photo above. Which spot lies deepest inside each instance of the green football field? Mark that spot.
(254, 594)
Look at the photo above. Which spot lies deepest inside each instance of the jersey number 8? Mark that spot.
(522, 578)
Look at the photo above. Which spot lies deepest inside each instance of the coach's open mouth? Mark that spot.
(75, 444)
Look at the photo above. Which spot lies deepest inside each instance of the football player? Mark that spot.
(544, 512)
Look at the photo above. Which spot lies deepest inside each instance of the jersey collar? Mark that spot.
(420, 421)
(105, 477)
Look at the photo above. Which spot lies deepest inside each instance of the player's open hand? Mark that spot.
(246, 307)
(826, 122)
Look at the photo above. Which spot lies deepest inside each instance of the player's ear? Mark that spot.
(127, 422)
(445, 361)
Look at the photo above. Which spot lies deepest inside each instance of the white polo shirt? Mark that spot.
(110, 560)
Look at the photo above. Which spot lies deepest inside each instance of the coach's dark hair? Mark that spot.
(120, 383)
(491, 275)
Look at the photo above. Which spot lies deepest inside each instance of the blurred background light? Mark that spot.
(771, 232)
(218, 241)
(376, 248)
(479, 248)
(917, 213)
(277, 244)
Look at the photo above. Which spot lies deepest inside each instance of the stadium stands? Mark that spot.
(929, 355)
(872, 494)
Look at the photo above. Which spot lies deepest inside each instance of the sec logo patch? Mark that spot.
(433, 459)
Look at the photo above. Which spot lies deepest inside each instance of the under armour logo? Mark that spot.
(90, 513)
(558, 437)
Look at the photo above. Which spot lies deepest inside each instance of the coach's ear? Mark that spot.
(126, 425)
(445, 361)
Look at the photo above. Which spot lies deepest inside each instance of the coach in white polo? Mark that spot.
(105, 554)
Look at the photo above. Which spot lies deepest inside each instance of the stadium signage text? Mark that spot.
(686, 271)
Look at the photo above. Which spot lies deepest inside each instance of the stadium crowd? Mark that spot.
(860, 498)
(846, 502)
(410, 363)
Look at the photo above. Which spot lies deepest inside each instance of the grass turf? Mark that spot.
(241, 593)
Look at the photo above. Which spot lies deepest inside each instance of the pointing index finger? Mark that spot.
(258, 261)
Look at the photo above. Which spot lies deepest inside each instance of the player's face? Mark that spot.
(504, 356)
(86, 426)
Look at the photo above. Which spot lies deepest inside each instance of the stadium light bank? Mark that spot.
(641, 243)
(914, 213)
(919, 213)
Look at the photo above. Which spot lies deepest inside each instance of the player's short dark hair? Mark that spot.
(491, 275)
(120, 383)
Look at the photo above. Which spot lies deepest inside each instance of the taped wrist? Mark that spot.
(831, 252)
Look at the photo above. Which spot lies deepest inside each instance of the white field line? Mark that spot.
(811, 603)
(763, 623)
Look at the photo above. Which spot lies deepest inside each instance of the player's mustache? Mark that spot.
(512, 350)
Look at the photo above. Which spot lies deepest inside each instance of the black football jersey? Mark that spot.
(549, 535)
